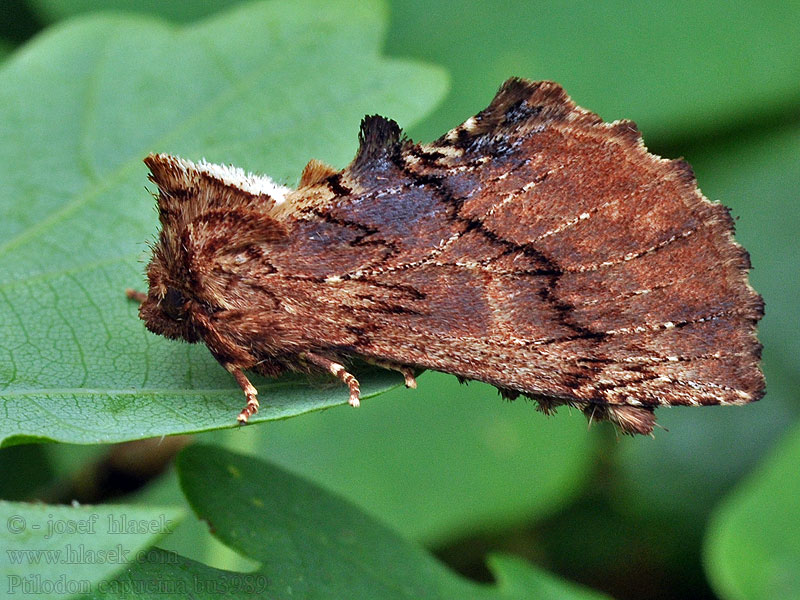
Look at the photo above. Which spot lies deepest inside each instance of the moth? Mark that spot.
(533, 247)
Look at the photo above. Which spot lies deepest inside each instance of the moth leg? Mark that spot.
(340, 372)
(250, 393)
(406, 372)
(134, 295)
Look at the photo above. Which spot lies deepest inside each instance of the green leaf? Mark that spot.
(185, 10)
(25, 470)
(312, 544)
(752, 546)
(676, 68)
(505, 463)
(265, 87)
(191, 538)
(57, 551)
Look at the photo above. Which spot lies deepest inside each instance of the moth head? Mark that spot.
(168, 309)
(208, 214)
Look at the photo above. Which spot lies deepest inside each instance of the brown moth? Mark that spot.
(534, 247)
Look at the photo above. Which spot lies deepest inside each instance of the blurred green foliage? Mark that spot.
(752, 547)
(65, 551)
(309, 543)
(452, 466)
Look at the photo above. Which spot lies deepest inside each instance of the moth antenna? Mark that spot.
(135, 295)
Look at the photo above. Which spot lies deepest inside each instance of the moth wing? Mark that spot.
(544, 251)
